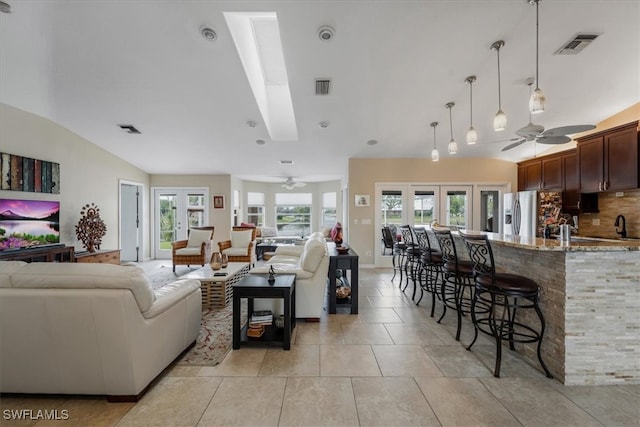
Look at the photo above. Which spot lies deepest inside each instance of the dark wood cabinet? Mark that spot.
(571, 193)
(544, 173)
(55, 253)
(608, 161)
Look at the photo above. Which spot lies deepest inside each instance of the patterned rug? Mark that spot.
(215, 339)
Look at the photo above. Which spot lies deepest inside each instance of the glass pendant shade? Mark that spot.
(472, 136)
(452, 148)
(435, 156)
(536, 102)
(499, 121)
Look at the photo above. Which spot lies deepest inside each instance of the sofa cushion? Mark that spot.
(236, 251)
(314, 251)
(188, 251)
(72, 275)
(197, 237)
(6, 269)
(268, 232)
(241, 239)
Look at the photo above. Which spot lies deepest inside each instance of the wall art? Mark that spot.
(18, 173)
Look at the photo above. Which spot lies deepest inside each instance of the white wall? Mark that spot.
(87, 173)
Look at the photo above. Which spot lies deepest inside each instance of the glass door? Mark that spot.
(175, 212)
(456, 203)
(389, 200)
(425, 204)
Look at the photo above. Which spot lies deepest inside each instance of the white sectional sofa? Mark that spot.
(96, 329)
(310, 263)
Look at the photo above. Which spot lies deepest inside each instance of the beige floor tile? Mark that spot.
(301, 361)
(366, 333)
(183, 371)
(535, 402)
(24, 409)
(319, 402)
(399, 301)
(391, 401)
(244, 362)
(413, 333)
(418, 314)
(90, 412)
(390, 291)
(512, 363)
(348, 361)
(173, 401)
(369, 291)
(464, 402)
(405, 361)
(245, 402)
(611, 405)
(379, 315)
(456, 361)
(320, 333)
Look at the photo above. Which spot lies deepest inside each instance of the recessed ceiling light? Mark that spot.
(324, 124)
(260, 141)
(372, 142)
(251, 123)
(208, 34)
(326, 33)
(5, 7)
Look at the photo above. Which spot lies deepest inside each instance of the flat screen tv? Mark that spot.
(28, 223)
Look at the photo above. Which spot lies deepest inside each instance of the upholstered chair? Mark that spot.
(241, 246)
(195, 250)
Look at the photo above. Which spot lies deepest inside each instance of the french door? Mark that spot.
(176, 210)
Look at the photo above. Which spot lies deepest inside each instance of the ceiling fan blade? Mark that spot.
(498, 141)
(561, 139)
(567, 130)
(514, 145)
(530, 130)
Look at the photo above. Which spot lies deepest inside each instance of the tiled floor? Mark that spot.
(391, 365)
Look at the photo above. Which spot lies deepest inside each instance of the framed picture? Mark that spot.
(218, 202)
(362, 200)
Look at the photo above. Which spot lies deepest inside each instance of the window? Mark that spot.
(293, 214)
(423, 205)
(391, 209)
(329, 216)
(255, 209)
(195, 210)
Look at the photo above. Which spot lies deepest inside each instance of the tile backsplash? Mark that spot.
(610, 206)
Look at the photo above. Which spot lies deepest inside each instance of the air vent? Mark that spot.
(129, 129)
(286, 162)
(576, 44)
(323, 86)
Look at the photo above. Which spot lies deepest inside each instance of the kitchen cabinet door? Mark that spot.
(551, 173)
(621, 159)
(571, 195)
(591, 164)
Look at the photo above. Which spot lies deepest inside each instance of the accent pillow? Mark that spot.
(247, 224)
(241, 239)
(196, 237)
(269, 232)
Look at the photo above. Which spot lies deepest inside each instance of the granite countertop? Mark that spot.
(577, 243)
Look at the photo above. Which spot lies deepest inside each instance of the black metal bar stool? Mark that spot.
(505, 294)
(397, 250)
(411, 258)
(430, 268)
(457, 287)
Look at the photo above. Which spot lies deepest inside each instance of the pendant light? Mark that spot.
(472, 135)
(435, 156)
(500, 120)
(537, 99)
(452, 148)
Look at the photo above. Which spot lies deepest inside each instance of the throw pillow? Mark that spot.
(241, 239)
(247, 224)
(269, 232)
(196, 237)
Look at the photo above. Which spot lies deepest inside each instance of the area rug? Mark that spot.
(215, 339)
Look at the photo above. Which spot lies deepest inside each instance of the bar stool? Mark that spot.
(457, 287)
(430, 270)
(505, 294)
(411, 258)
(397, 250)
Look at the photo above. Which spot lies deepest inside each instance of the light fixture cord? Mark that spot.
(450, 124)
(537, 49)
(499, 92)
(434, 137)
(470, 104)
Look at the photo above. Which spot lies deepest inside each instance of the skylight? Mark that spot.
(257, 39)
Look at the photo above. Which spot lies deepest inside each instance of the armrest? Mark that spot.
(290, 250)
(171, 294)
(226, 244)
(178, 245)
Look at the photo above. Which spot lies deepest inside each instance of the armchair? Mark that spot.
(240, 248)
(196, 250)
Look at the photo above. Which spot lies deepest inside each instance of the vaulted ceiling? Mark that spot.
(93, 65)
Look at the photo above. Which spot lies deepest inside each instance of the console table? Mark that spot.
(58, 253)
(106, 257)
(347, 261)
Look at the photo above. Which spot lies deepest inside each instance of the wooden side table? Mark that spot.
(106, 256)
(348, 261)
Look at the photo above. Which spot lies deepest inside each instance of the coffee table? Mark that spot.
(257, 286)
(217, 286)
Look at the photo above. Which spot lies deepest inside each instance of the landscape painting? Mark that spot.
(28, 223)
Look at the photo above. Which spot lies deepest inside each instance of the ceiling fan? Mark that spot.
(290, 184)
(537, 133)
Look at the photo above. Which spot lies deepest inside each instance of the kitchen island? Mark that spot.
(590, 298)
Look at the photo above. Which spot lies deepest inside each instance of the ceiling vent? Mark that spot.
(286, 162)
(129, 129)
(576, 44)
(323, 86)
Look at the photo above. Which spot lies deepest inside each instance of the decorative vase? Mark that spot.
(216, 261)
(224, 261)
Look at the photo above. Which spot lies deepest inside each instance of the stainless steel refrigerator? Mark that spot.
(526, 213)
